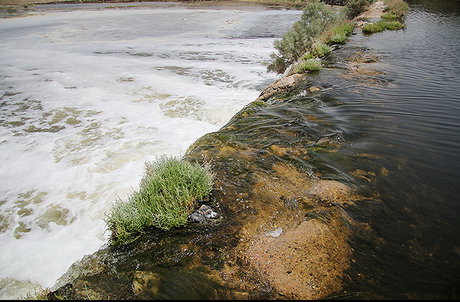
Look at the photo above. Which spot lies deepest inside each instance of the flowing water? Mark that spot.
(403, 127)
(88, 93)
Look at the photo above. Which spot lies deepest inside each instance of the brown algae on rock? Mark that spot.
(283, 230)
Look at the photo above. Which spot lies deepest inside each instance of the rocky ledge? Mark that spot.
(274, 227)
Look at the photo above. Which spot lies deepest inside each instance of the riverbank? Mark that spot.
(282, 230)
(282, 221)
(394, 122)
(22, 3)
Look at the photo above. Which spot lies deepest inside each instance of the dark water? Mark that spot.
(410, 125)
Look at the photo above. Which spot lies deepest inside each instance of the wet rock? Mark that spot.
(204, 213)
(314, 89)
(281, 85)
(275, 233)
(278, 151)
(306, 262)
(146, 282)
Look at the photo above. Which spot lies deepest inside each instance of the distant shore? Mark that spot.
(22, 3)
(28, 2)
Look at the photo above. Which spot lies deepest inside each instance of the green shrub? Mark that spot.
(339, 33)
(167, 195)
(389, 16)
(315, 18)
(321, 50)
(356, 7)
(370, 28)
(394, 25)
(308, 55)
(345, 27)
(397, 8)
(308, 65)
(378, 26)
(338, 38)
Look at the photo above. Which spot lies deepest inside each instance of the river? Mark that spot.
(127, 89)
(89, 92)
(408, 119)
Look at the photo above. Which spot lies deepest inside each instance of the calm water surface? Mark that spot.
(411, 126)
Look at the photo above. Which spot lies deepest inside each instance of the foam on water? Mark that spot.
(88, 96)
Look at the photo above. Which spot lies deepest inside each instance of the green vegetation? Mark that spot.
(308, 65)
(394, 25)
(315, 19)
(310, 37)
(339, 33)
(321, 50)
(374, 27)
(167, 195)
(389, 16)
(395, 9)
(356, 7)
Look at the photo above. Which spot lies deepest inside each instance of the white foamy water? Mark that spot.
(88, 95)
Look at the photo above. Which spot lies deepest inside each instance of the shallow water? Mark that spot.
(89, 93)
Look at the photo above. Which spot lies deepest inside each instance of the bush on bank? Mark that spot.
(319, 23)
(339, 33)
(167, 195)
(356, 7)
(308, 65)
(315, 18)
(395, 10)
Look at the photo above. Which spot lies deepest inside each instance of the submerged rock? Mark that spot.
(276, 232)
(203, 213)
(314, 89)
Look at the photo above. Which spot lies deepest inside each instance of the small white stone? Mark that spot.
(276, 232)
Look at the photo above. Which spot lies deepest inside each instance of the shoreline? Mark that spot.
(269, 262)
(31, 3)
(281, 234)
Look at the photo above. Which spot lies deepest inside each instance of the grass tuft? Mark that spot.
(371, 28)
(394, 25)
(389, 16)
(339, 33)
(321, 50)
(308, 65)
(167, 195)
